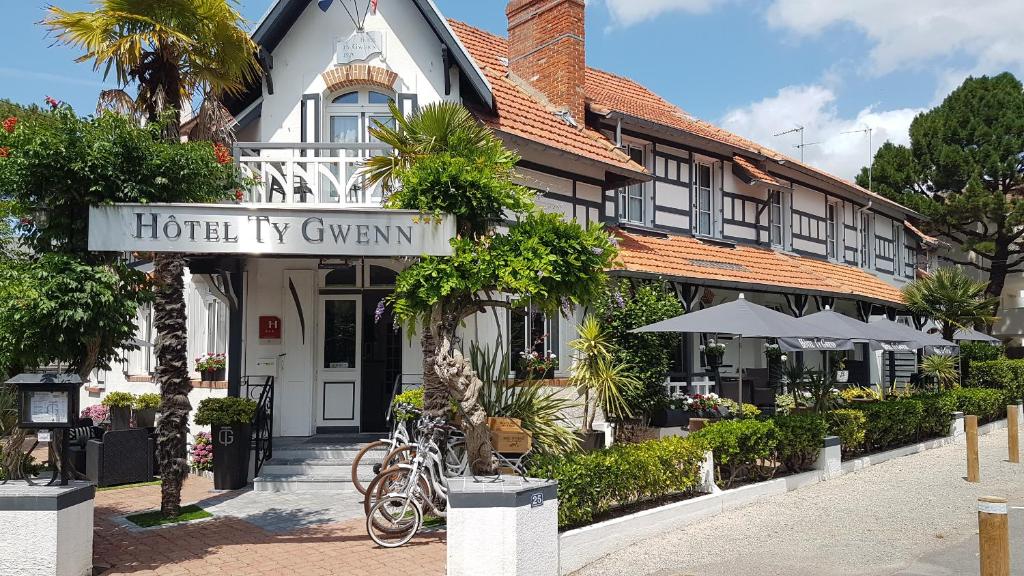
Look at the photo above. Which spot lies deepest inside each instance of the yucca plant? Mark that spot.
(953, 299)
(941, 370)
(597, 377)
(542, 412)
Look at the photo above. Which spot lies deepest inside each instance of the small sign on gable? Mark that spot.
(360, 46)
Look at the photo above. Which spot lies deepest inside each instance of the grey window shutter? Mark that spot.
(408, 103)
(309, 130)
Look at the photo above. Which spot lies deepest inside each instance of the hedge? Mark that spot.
(739, 447)
(985, 403)
(593, 483)
(892, 422)
(1002, 374)
(850, 426)
(800, 438)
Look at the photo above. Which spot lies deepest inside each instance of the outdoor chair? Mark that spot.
(78, 439)
(120, 457)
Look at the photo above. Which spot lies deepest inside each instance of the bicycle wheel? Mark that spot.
(394, 520)
(372, 459)
(456, 459)
(395, 480)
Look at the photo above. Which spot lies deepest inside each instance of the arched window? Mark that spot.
(349, 118)
(382, 276)
(341, 276)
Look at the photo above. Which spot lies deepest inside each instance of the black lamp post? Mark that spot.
(49, 402)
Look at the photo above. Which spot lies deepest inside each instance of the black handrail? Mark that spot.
(391, 397)
(263, 421)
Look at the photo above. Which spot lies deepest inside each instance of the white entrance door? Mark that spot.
(339, 361)
(294, 395)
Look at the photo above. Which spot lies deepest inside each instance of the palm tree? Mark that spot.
(173, 51)
(597, 377)
(951, 298)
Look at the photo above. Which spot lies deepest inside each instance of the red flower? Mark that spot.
(9, 124)
(222, 153)
(239, 196)
(53, 102)
(4, 151)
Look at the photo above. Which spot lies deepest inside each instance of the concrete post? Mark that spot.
(956, 428)
(830, 459)
(47, 529)
(707, 474)
(507, 527)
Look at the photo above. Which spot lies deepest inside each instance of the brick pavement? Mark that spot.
(231, 546)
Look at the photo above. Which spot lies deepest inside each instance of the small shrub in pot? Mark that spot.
(230, 421)
(120, 404)
(145, 409)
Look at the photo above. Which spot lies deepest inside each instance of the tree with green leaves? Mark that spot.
(507, 253)
(59, 302)
(964, 170)
(173, 51)
(951, 298)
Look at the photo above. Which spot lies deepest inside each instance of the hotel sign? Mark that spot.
(294, 230)
(814, 344)
(360, 46)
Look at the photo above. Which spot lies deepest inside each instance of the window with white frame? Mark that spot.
(775, 218)
(216, 326)
(631, 198)
(832, 227)
(705, 206)
(897, 248)
(349, 118)
(865, 239)
(531, 330)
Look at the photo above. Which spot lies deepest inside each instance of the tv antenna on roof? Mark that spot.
(871, 153)
(801, 145)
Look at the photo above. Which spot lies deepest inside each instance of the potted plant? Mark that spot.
(858, 394)
(673, 412)
(706, 408)
(145, 409)
(714, 352)
(536, 365)
(230, 422)
(99, 414)
(120, 405)
(776, 359)
(599, 380)
(211, 367)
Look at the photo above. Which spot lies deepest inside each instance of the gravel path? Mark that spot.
(877, 521)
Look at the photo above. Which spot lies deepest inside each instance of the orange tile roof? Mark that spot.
(754, 171)
(522, 114)
(691, 258)
(611, 92)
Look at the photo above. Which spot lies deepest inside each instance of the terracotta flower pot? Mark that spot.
(698, 423)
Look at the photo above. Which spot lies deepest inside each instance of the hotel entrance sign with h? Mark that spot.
(49, 402)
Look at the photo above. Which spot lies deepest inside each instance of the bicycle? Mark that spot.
(377, 451)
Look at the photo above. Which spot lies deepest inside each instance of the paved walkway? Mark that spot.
(252, 533)
(911, 516)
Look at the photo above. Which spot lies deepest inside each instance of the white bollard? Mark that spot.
(707, 474)
(956, 428)
(47, 529)
(504, 527)
(830, 459)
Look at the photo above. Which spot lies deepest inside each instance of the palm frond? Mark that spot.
(950, 297)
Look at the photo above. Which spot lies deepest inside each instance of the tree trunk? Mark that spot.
(462, 383)
(998, 272)
(435, 391)
(172, 376)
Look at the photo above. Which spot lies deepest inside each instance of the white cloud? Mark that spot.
(813, 107)
(629, 12)
(909, 33)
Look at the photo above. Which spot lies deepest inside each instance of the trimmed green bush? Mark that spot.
(118, 400)
(936, 415)
(850, 426)
(147, 401)
(971, 352)
(1003, 374)
(225, 411)
(738, 447)
(800, 438)
(891, 423)
(985, 403)
(591, 484)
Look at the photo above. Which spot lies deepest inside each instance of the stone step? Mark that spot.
(347, 454)
(310, 466)
(303, 483)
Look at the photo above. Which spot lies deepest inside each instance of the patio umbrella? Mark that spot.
(916, 338)
(970, 335)
(748, 320)
(877, 335)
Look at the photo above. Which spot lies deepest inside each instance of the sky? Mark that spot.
(756, 68)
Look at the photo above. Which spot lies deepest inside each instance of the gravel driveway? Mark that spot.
(898, 515)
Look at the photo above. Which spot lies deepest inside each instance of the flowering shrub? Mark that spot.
(10, 123)
(222, 153)
(208, 362)
(713, 348)
(97, 413)
(703, 404)
(537, 364)
(202, 452)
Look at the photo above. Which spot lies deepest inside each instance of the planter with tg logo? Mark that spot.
(231, 446)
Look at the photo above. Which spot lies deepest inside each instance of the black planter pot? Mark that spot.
(670, 418)
(145, 418)
(592, 441)
(213, 375)
(231, 445)
(120, 417)
(714, 360)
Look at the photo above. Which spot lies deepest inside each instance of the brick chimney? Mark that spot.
(546, 47)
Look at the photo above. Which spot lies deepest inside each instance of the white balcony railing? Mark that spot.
(321, 173)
